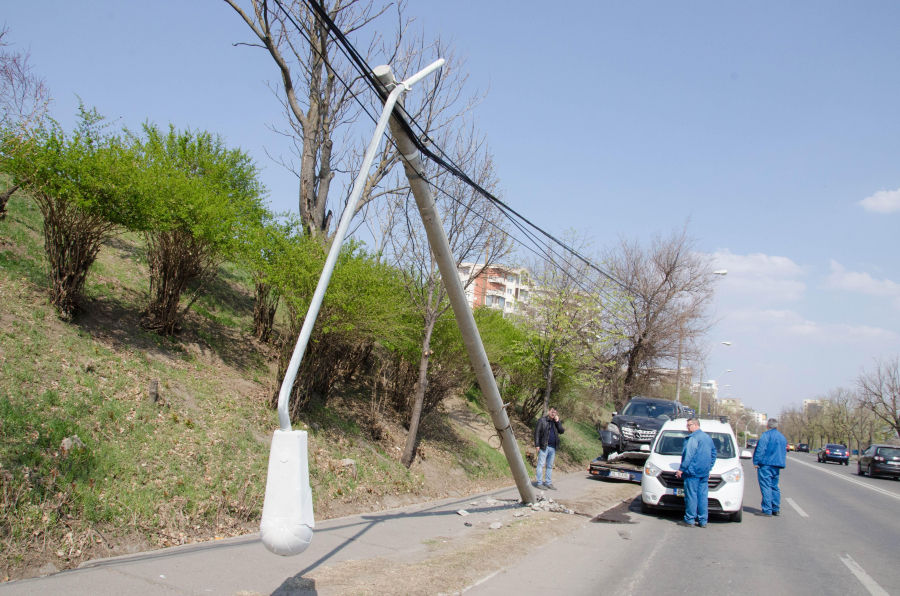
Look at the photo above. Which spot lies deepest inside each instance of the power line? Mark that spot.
(401, 115)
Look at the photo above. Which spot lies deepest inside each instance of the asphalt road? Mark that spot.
(837, 534)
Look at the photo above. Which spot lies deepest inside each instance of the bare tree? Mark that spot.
(880, 391)
(322, 93)
(671, 286)
(24, 98)
(475, 229)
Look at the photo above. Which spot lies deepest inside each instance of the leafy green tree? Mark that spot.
(83, 183)
(565, 321)
(206, 199)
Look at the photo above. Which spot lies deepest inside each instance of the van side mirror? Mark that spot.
(745, 454)
(615, 413)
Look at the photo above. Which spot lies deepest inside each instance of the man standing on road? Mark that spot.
(546, 440)
(769, 460)
(698, 455)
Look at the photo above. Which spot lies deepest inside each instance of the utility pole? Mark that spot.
(440, 246)
(678, 371)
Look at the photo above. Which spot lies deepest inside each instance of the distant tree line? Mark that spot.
(858, 416)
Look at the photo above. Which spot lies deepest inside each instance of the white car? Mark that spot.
(661, 490)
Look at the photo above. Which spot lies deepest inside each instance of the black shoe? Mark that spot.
(539, 485)
(684, 524)
(702, 526)
(762, 514)
(549, 487)
(776, 513)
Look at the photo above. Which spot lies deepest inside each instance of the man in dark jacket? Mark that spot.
(546, 440)
(769, 459)
(698, 455)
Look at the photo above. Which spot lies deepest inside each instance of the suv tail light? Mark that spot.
(828, 451)
(878, 458)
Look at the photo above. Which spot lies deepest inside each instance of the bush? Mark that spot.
(83, 185)
(366, 300)
(205, 198)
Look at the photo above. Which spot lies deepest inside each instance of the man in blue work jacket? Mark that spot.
(698, 455)
(769, 459)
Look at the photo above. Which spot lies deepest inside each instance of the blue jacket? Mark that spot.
(697, 455)
(771, 449)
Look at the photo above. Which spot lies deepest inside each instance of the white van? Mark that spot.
(661, 490)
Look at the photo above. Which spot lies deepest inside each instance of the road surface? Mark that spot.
(837, 534)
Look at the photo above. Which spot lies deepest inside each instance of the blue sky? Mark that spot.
(772, 126)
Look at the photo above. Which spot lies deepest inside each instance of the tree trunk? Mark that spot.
(264, 309)
(548, 378)
(412, 440)
(4, 199)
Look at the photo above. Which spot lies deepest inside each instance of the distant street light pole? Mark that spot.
(700, 402)
(745, 431)
(722, 272)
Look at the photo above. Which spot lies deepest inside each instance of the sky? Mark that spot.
(771, 127)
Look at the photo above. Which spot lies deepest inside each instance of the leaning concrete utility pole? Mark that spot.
(440, 246)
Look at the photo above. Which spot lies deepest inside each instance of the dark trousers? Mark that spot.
(768, 486)
(696, 499)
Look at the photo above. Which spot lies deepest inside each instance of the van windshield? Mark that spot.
(649, 409)
(671, 442)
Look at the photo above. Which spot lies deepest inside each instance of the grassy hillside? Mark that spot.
(191, 466)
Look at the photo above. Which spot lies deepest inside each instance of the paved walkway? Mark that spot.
(243, 565)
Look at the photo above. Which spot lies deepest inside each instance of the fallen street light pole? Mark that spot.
(440, 246)
(287, 517)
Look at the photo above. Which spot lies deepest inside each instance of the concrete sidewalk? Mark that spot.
(389, 541)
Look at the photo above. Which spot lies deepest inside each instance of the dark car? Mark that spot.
(834, 452)
(752, 443)
(879, 460)
(638, 423)
(688, 413)
(803, 448)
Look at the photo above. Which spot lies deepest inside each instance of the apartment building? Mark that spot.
(731, 404)
(498, 286)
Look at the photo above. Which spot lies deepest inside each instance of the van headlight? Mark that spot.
(652, 470)
(733, 475)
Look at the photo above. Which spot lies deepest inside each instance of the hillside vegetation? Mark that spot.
(190, 466)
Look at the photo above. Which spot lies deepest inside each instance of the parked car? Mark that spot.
(879, 460)
(752, 443)
(790, 447)
(689, 412)
(662, 490)
(637, 424)
(803, 448)
(834, 452)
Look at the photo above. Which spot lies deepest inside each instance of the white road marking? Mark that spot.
(869, 583)
(797, 508)
(847, 478)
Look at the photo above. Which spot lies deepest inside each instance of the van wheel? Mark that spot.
(738, 516)
(645, 509)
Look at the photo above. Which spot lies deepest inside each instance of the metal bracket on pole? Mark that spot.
(440, 246)
(287, 517)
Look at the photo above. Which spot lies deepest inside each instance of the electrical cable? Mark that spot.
(401, 116)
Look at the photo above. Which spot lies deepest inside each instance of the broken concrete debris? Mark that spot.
(462, 512)
(495, 526)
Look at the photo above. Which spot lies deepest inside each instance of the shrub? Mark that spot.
(83, 185)
(365, 300)
(205, 197)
